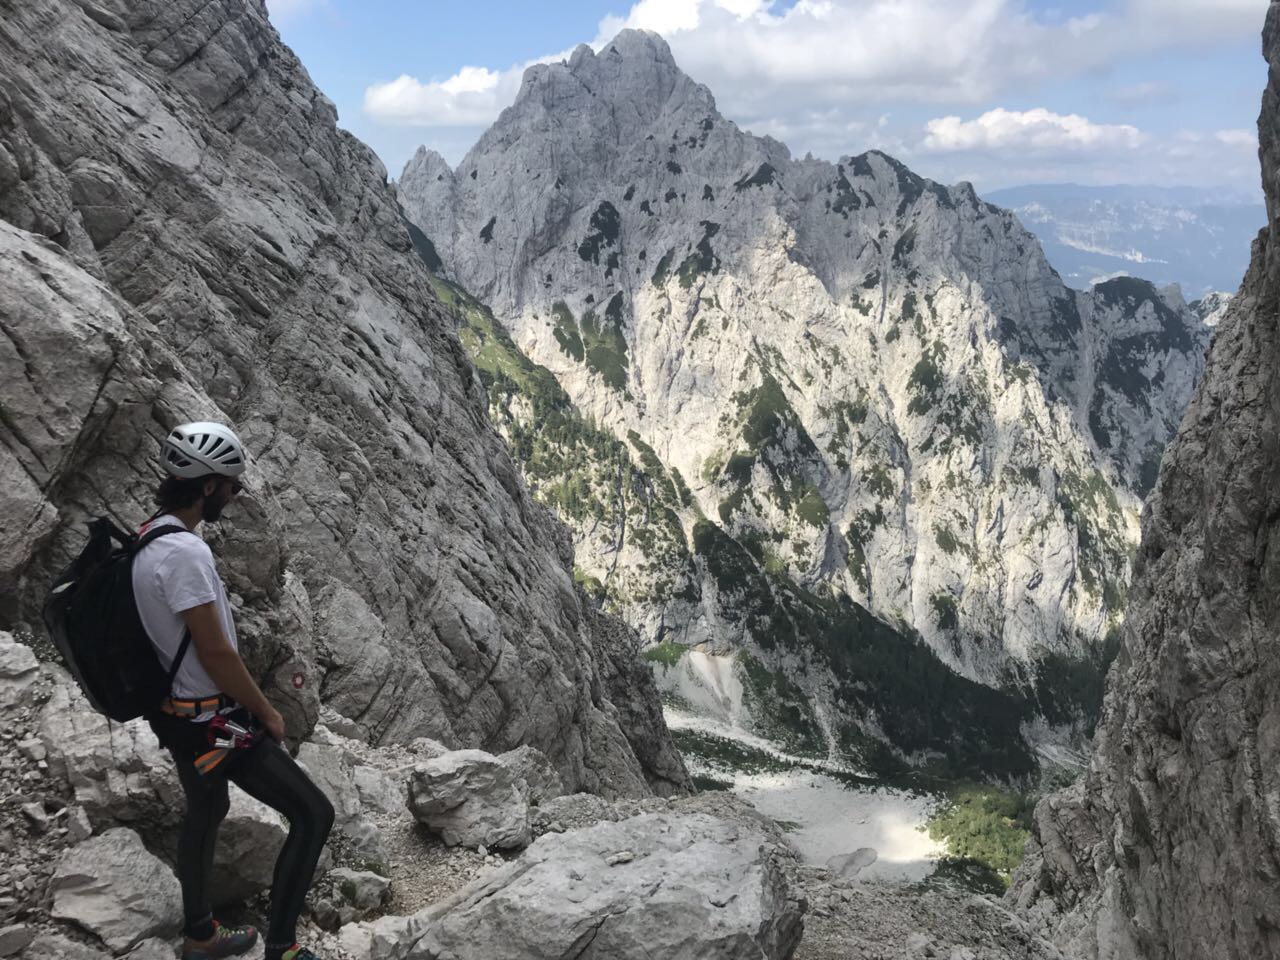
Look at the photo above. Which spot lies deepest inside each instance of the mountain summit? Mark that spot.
(872, 385)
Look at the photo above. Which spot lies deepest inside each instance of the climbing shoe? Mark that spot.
(226, 942)
(298, 952)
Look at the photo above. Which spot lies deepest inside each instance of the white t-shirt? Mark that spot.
(171, 574)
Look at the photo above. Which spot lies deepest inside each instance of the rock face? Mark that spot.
(1170, 846)
(185, 233)
(113, 887)
(471, 799)
(685, 887)
(865, 381)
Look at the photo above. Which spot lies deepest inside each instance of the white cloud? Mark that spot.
(468, 98)
(284, 11)
(1245, 139)
(818, 74)
(1193, 22)
(1037, 129)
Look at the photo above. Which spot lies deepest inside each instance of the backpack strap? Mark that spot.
(177, 660)
(138, 544)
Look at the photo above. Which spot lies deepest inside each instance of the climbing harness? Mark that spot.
(222, 734)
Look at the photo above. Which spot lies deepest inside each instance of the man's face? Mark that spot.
(217, 494)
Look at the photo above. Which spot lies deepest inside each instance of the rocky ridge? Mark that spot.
(186, 233)
(1168, 846)
(852, 381)
(595, 882)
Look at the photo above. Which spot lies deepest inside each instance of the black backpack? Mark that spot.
(93, 619)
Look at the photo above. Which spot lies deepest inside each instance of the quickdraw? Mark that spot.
(224, 735)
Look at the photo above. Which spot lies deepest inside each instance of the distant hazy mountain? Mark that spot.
(1196, 237)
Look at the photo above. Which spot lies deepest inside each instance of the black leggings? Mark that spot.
(267, 773)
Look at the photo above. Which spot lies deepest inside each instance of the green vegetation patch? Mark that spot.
(764, 176)
(780, 709)
(667, 654)
(606, 346)
(566, 331)
(985, 825)
(777, 440)
(1069, 690)
(925, 382)
(945, 610)
(846, 199)
(812, 508)
(1090, 505)
(664, 268)
(605, 228)
(703, 259)
(422, 246)
(496, 357)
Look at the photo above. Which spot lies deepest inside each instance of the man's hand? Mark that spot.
(274, 723)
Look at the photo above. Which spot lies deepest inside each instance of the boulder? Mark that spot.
(387, 938)
(330, 767)
(379, 790)
(471, 799)
(19, 669)
(349, 895)
(111, 886)
(119, 772)
(532, 766)
(14, 937)
(249, 841)
(362, 889)
(695, 888)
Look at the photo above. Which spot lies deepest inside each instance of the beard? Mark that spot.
(211, 509)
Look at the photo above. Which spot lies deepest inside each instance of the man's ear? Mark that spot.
(210, 485)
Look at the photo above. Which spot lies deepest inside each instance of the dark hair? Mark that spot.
(177, 493)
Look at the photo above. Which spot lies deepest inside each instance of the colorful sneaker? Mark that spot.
(226, 942)
(298, 952)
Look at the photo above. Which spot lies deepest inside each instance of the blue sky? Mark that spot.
(999, 92)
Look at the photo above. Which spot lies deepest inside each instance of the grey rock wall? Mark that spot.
(1169, 848)
(185, 234)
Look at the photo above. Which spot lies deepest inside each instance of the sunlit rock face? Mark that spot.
(872, 383)
(187, 235)
(1169, 847)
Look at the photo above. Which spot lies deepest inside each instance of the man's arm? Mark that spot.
(224, 666)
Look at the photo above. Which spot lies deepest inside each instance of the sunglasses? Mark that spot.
(236, 487)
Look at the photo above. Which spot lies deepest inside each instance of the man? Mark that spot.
(216, 722)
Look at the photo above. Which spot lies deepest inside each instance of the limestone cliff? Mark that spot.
(874, 383)
(186, 233)
(1169, 848)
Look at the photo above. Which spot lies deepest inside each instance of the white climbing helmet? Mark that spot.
(201, 448)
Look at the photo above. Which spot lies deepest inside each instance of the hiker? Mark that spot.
(216, 722)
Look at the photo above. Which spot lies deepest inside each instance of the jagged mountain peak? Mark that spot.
(615, 96)
(633, 44)
(427, 163)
